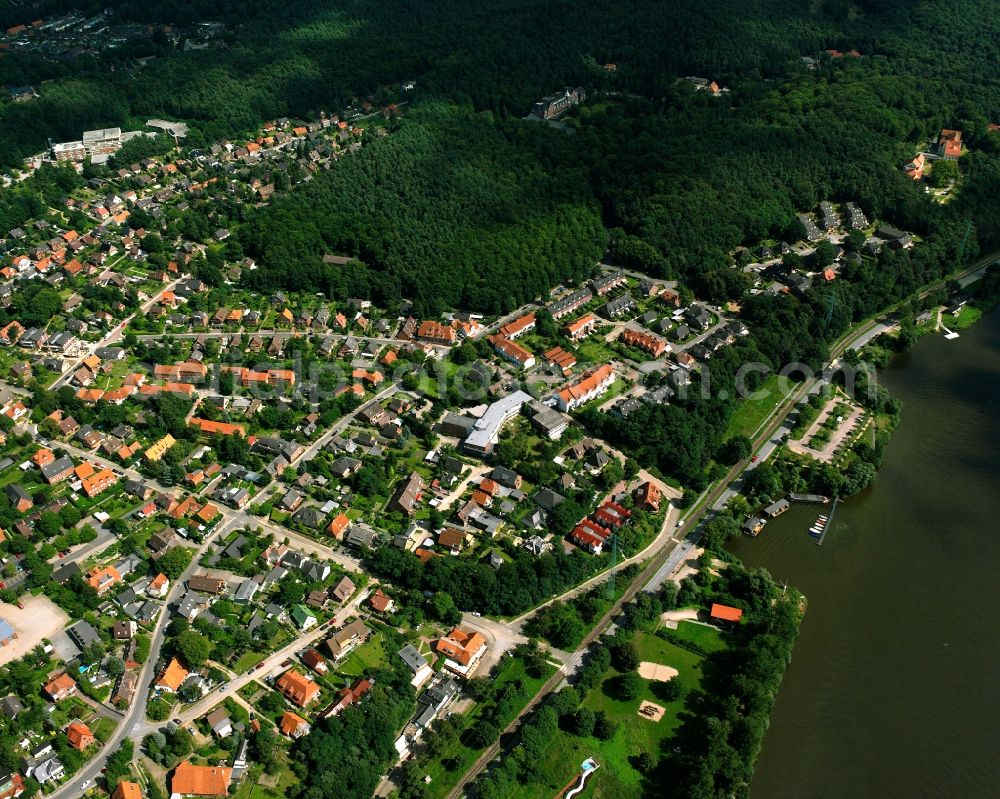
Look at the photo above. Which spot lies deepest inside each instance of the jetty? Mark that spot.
(809, 498)
(829, 521)
(949, 334)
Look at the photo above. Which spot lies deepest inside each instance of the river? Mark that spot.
(893, 689)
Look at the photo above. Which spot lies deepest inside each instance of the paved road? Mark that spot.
(274, 660)
(110, 339)
(662, 563)
(667, 558)
(133, 724)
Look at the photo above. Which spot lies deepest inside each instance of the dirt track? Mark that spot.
(40, 618)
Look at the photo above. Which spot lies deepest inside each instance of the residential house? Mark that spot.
(315, 661)
(60, 687)
(519, 326)
(348, 695)
(436, 333)
(647, 496)
(103, 579)
(79, 736)
(297, 688)
(380, 602)
(303, 618)
(463, 650)
(293, 725)
(592, 384)
(580, 328)
(347, 638)
(172, 676)
(219, 721)
(407, 495)
(619, 306)
(343, 590)
(417, 663)
(207, 584)
(200, 781)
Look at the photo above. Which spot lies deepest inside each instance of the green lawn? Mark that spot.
(967, 317)
(708, 638)
(365, 658)
(594, 350)
(246, 660)
(617, 778)
(751, 412)
(249, 789)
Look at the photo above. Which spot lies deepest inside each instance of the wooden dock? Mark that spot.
(829, 521)
(818, 498)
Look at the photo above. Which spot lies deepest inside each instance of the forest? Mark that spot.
(466, 204)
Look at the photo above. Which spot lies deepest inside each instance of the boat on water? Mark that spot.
(816, 530)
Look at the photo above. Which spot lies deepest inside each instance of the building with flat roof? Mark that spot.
(176, 129)
(486, 431)
(102, 142)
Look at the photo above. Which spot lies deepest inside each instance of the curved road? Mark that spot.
(666, 559)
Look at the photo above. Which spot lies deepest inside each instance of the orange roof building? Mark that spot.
(591, 385)
(915, 169)
(43, 457)
(580, 328)
(191, 780)
(512, 351)
(79, 735)
(950, 143)
(436, 333)
(172, 676)
(60, 687)
(293, 725)
(99, 482)
(654, 345)
(726, 613)
(297, 688)
(339, 526)
(127, 790)
(647, 496)
(207, 513)
(519, 326)
(463, 650)
(218, 428)
(103, 580)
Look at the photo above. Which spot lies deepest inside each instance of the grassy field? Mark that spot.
(594, 350)
(618, 778)
(751, 412)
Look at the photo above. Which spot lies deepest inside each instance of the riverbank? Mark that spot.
(888, 693)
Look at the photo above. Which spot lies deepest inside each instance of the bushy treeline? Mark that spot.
(518, 585)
